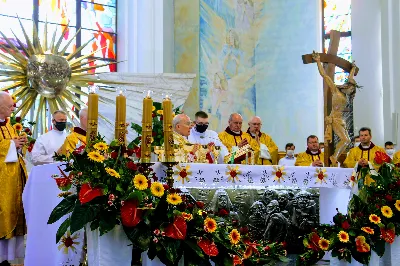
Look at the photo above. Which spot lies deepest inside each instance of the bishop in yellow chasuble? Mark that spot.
(78, 135)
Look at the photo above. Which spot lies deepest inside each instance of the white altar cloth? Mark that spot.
(40, 198)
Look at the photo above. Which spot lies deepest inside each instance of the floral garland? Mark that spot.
(373, 218)
(111, 189)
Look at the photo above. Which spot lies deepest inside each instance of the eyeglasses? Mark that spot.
(256, 124)
(186, 124)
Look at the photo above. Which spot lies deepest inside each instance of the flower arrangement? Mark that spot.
(373, 219)
(110, 190)
(19, 124)
(158, 136)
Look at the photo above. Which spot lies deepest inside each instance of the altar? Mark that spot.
(40, 196)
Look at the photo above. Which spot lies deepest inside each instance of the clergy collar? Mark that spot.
(4, 122)
(80, 131)
(308, 151)
(252, 135)
(366, 149)
(229, 131)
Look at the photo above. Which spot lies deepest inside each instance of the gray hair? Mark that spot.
(232, 115)
(83, 112)
(59, 112)
(177, 119)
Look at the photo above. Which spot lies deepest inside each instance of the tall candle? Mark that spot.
(120, 119)
(92, 116)
(168, 133)
(147, 129)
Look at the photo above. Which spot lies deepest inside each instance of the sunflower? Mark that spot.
(373, 218)
(157, 189)
(160, 112)
(18, 127)
(210, 225)
(343, 236)
(112, 172)
(100, 146)
(323, 243)
(140, 182)
(174, 199)
(153, 108)
(187, 216)
(96, 156)
(368, 230)
(234, 236)
(387, 211)
(397, 205)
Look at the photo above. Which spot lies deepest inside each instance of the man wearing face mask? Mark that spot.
(389, 148)
(47, 144)
(289, 159)
(200, 134)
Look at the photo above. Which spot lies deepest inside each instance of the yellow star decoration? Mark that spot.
(183, 173)
(233, 173)
(279, 173)
(320, 175)
(353, 179)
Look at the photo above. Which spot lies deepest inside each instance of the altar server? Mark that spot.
(47, 144)
(289, 158)
(77, 136)
(312, 156)
(200, 134)
(12, 181)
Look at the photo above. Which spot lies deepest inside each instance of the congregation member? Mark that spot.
(47, 144)
(266, 148)
(356, 141)
(77, 137)
(312, 156)
(13, 177)
(200, 134)
(389, 148)
(289, 158)
(321, 146)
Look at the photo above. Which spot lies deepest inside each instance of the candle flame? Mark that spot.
(148, 94)
(120, 92)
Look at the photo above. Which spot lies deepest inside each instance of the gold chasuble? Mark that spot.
(396, 158)
(307, 158)
(12, 182)
(272, 149)
(76, 136)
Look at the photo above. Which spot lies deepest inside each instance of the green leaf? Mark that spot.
(120, 189)
(352, 233)
(390, 226)
(139, 235)
(62, 229)
(138, 195)
(107, 222)
(172, 250)
(379, 247)
(82, 215)
(64, 207)
(95, 224)
(195, 248)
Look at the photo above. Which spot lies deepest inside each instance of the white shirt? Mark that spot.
(207, 137)
(287, 161)
(46, 145)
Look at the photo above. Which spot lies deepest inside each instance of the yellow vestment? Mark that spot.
(396, 158)
(356, 153)
(12, 182)
(272, 149)
(307, 158)
(76, 136)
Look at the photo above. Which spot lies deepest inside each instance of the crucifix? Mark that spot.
(334, 97)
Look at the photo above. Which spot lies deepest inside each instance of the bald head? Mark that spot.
(235, 122)
(255, 125)
(83, 118)
(182, 125)
(6, 105)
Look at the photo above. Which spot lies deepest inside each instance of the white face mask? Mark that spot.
(390, 151)
(356, 144)
(289, 152)
(322, 150)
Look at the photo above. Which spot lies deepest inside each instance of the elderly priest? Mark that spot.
(12, 182)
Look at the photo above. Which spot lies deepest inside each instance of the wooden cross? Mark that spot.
(332, 61)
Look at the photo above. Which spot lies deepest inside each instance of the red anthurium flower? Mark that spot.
(130, 214)
(208, 247)
(388, 235)
(176, 230)
(381, 157)
(345, 225)
(87, 193)
(131, 165)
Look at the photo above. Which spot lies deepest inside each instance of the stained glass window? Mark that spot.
(337, 16)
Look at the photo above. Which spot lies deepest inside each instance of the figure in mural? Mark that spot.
(244, 13)
(222, 205)
(335, 120)
(277, 223)
(305, 211)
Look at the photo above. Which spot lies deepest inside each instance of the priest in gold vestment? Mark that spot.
(12, 181)
(312, 156)
(267, 150)
(364, 154)
(396, 158)
(77, 136)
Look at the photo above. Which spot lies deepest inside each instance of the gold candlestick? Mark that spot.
(168, 133)
(147, 129)
(93, 114)
(120, 119)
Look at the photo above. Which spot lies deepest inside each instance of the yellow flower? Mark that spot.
(140, 182)
(368, 230)
(174, 199)
(101, 146)
(96, 156)
(157, 189)
(320, 175)
(279, 173)
(234, 236)
(187, 216)
(210, 225)
(160, 112)
(112, 172)
(387, 211)
(153, 108)
(397, 205)
(373, 218)
(233, 173)
(14, 98)
(68, 242)
(23, 134)
(343, 236)
(323, 243)
(18, 127)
